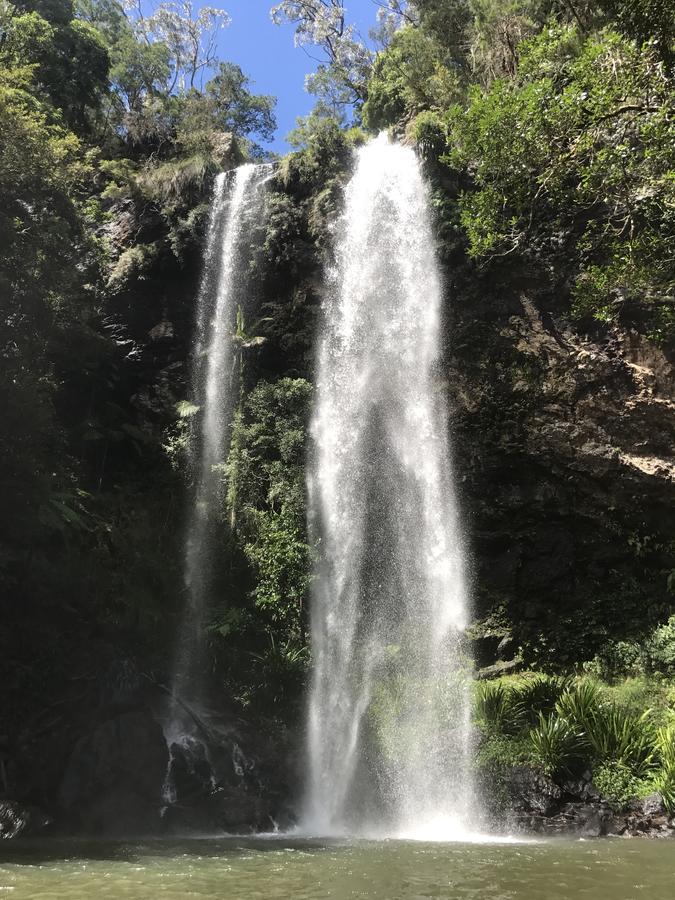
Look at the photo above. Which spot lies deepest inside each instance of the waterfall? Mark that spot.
(388, 722)
(236, 208)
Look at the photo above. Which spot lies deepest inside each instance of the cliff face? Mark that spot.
(565, 454)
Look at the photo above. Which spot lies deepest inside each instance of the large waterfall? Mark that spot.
(236, 207)
(389, 711)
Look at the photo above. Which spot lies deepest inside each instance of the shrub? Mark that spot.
(500, 751)
(557, 745)
(617, 735)
(540, 694)
(660, 649)
(497, 708)
(664, 780)
(617, 782)
(580, 704)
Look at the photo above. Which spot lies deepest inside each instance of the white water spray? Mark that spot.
(389, 736)
(236, 206)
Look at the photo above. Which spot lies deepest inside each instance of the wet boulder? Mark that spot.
(16, 819)
(113, 782)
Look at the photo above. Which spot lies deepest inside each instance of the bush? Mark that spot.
(564, 725)
(616, 734)
(664, 780)
(497, 708)
(617, 782)
(654, 655)
(539, 694)
(580, 704)
(557, 745)
(499, 752)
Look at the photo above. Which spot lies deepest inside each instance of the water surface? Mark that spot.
(259, 869)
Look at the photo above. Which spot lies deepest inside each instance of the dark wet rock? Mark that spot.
(581, 788)
(537, 804)
(501, 667)
(564, 442)
(531, 792)
(230, 811)
(17, 819)
(584, 819)
(226, 776)
(505, 648)
(653, 806)
(113, 781)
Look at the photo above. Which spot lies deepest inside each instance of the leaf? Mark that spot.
(186, 409)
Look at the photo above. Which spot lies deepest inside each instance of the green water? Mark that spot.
(243, 869)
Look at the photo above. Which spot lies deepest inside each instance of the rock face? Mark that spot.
(215, 786)
(535, 804)
(565, 446)
(113, 781)
(16, 819)
(123, 779)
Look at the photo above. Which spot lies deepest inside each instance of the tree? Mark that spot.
(344, 60)
(69, 58)
(574, 157)
(645, 20)
(189, 34)
(408, 77)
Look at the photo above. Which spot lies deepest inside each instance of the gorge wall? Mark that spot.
(563, 445)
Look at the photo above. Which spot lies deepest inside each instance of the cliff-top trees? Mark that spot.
(575, 156)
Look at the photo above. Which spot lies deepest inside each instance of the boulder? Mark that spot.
(582, 788)
(532, 792)
(653, 806)
(114, 778)
(16, 819)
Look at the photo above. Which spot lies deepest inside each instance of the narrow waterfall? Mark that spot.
(388, 728)
(236, 207)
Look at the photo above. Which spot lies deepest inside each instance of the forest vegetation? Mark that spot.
(547, 132)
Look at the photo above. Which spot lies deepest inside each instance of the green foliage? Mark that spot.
(280, 670)
(429, 132)
(265, 474)
(617, 782)
(497, 708)
(563, 726)
(557, 745)
(620, 736)
(539, 694)
(68, 59)
(579, 703)
(325, 149)
(235, 109)
(499, 752)
(279, 556)
(664, 779)
(408, 78)
(588, 121)
(653, 655)
(645, 20)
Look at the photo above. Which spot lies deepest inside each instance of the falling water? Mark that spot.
(388, 714)
(236, 208)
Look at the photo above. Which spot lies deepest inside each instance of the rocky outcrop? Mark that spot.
(536, 804)
(113, 781)
(17, 819)
(227, 776)
(565, 447)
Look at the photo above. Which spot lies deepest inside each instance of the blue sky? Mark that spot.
(266, 53)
